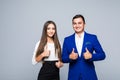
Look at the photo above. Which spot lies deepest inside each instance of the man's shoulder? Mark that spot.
(70, 36)
(89, 34)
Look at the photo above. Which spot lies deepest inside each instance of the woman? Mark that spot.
(48, 50)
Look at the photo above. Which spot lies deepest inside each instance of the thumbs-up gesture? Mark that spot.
(73, 55)
(46, 52)
(87, 54)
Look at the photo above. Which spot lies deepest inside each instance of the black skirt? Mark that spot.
(49, 71)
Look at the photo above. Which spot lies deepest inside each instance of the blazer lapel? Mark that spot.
(84, 41)
(74, 44)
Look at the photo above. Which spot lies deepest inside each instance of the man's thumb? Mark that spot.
(73, 50)
(86, 49)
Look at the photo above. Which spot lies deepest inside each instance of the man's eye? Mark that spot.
(74, 23)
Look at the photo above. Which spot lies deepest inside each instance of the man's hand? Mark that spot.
(73, 55)
(87, 54)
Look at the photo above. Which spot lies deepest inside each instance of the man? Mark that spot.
(80, 50)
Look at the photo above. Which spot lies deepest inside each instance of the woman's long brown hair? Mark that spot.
(43, 40)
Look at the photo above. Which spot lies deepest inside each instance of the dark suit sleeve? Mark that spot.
(98, 54)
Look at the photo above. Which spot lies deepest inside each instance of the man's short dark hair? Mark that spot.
(79, 16)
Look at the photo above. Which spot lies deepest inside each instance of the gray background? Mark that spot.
(21, 23)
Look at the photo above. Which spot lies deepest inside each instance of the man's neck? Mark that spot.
(79, 34)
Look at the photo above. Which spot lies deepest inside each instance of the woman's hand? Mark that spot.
(46, 52)
(59, 64)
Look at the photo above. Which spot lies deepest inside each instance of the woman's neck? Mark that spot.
(49, 40)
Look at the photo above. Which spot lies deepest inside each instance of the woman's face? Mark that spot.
(50, 30)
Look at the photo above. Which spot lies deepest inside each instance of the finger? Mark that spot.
(86, 49)
(46, 47)
(57, 64)
(73, 50)
(49, 52)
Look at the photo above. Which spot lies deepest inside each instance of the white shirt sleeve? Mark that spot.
(34, 54)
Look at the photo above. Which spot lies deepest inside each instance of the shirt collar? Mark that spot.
(81, 36)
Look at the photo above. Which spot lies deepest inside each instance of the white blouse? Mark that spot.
(52, 56)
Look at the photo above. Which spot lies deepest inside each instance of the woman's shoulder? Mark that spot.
(37, 43)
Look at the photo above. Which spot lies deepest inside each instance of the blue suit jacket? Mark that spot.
(82, 69)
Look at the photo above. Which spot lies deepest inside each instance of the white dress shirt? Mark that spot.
(79, 42)
(52, 56)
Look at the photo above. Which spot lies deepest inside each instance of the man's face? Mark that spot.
(78, 25)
